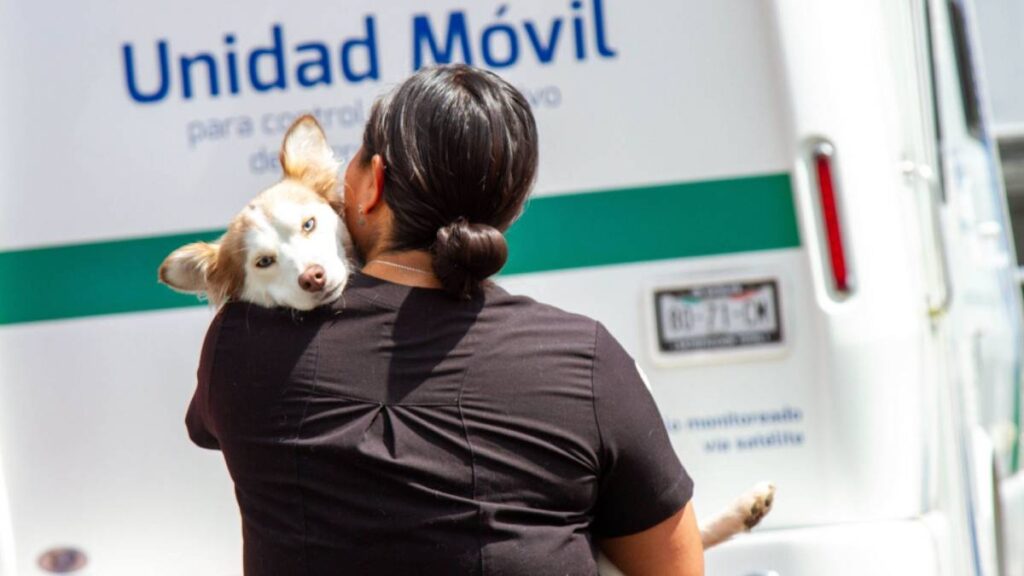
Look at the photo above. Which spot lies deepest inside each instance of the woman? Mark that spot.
(429, 422)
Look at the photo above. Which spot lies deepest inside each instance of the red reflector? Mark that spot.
(830, 215)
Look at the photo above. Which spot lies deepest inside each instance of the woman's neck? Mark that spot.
(409, 268)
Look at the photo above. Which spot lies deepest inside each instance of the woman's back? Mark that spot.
(404, 431)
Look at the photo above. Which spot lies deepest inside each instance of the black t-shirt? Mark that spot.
(400, 431)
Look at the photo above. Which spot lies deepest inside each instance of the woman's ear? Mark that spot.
(376, 192)
(307, 157)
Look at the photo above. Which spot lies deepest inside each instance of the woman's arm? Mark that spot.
(672, 547)
(197, 418)
(644, 519)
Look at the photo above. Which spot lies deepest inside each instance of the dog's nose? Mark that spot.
(313, 279)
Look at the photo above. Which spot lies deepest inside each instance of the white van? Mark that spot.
(788, 211)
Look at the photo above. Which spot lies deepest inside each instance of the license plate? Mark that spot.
(716, 316)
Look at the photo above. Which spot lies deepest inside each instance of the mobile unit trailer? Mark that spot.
(789, 212)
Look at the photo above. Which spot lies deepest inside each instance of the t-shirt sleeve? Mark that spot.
(197, 419)
(642, 481)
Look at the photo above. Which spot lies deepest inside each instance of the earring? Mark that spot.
(361, 221)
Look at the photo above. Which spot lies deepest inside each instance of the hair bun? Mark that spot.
(466, 254)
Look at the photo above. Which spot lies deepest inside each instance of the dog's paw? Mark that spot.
(761, 499)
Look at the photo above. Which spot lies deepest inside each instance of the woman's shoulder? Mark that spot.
(516, 315)
(256, 318)
(493, 301)
(528, 307)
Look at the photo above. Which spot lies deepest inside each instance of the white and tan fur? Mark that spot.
(287, 248)
(742, 515)
(274, 226)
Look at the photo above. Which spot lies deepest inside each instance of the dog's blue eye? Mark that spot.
(265, 262)
(309, 225)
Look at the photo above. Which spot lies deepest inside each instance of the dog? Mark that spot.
(742, 515)
(290, 248)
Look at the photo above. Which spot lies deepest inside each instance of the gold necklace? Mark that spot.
(400, 266)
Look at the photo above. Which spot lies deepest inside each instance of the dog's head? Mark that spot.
(287, 247)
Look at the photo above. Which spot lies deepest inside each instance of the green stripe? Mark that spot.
(655, 223)
(555, 233)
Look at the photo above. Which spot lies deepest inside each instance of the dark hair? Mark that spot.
(459, 146)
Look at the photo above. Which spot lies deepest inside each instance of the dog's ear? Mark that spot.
(188, 268)
(307, 157)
